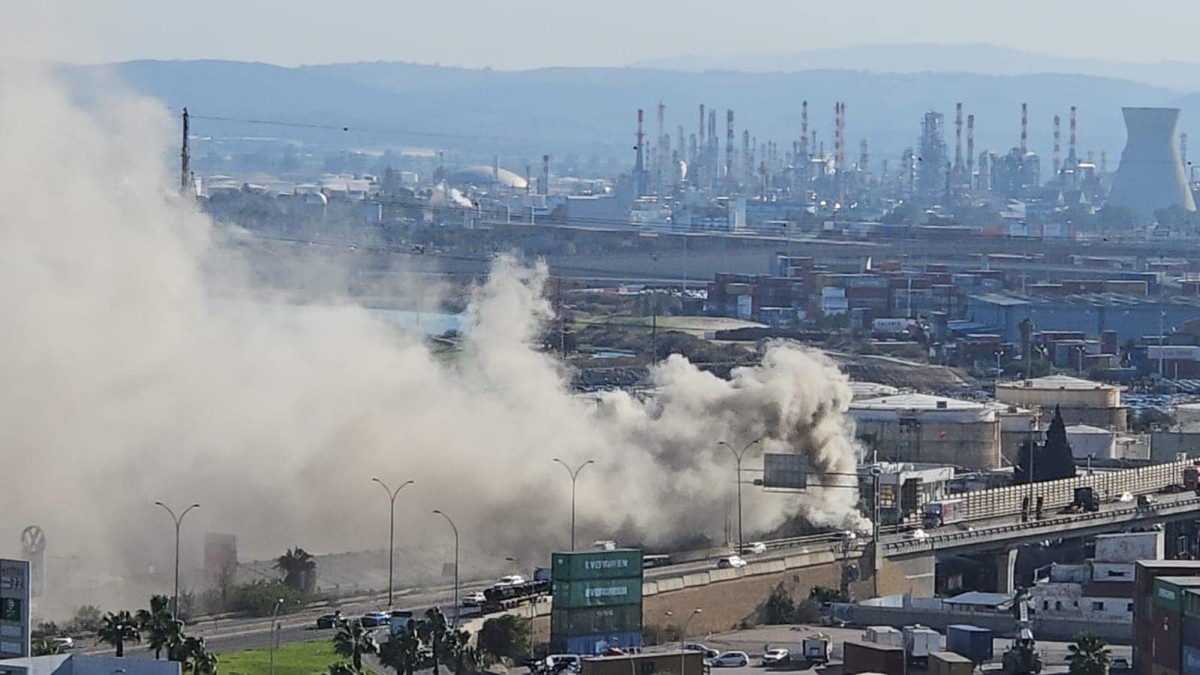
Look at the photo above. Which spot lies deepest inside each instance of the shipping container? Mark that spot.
(596, 620)
(597, 593)
(1160, 670)
(973, 642)
(594, 645)
(1191, 602)
(883, 635)
(1190, 631)
(1165, 637)
(949, 663)
(1191, 660)
(621, 563)
(1146, 571)
(864, 657)
(666, 663)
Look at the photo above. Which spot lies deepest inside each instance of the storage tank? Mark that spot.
(1151, 174)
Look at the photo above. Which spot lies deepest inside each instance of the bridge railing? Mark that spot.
(999, 502)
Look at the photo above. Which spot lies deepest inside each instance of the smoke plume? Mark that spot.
(127, 382)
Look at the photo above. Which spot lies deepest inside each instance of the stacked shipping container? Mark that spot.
(597, 601)
(1152, 649)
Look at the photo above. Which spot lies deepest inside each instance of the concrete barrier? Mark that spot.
(699, 579)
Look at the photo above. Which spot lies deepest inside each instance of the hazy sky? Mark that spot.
(533, 33)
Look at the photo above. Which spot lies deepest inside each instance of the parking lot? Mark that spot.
(754, 641)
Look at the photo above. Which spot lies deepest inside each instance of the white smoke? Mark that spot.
(126, 383)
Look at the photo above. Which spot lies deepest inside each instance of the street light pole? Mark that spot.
(178, 521)
(574, 475)
(455, 528)
(274, 635)
(683, 638)
(737, 455)
(391, 531)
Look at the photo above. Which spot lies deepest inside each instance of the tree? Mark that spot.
(403, 654)
(433, 630)
(1057, 458)
(781, 608)
(352, 641)
(299, 569)
(164, 632)
(193, 655)
(45, 647)
(117, 629)
(505, 637)
(87, 619)
(1088, 656)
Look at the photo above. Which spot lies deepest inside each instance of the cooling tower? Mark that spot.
(1150, 175)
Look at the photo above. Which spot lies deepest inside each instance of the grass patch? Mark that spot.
(296, 658)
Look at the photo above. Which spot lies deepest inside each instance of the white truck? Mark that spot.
(920, 641)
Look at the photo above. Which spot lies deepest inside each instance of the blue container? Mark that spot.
(595, 645)
(971, 642)
(1191, 660)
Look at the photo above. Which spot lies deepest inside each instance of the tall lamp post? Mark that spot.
(391, 531)
(274, 635)
(683, 637)
(574, 475)
(455, 528)
(178, 521)
(737, 455)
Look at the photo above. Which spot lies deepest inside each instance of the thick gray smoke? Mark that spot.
(126, 383)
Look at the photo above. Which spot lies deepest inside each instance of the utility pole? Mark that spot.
(391, 532)
(178, 521)
(185, 161)
(574, 476)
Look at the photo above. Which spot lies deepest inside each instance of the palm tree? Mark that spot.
(299, 569)
(402, 653)
(164, 632)
(352, 641)
(117, 629)
(433, 630)
(192, 654)
(1088, 656)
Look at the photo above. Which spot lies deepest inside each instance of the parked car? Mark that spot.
(475, 599)
(774, 657)
(730, 562)
(708, 652)
(754, 548)
(730, 660)
(331, 620)
(558, 663)
(375, 619)
(1119, 666)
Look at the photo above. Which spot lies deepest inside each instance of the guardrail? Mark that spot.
(954, 539)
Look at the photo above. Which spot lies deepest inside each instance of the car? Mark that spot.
(331, 620)
(730, 660)
(63, 643)
(511, 580)
(708, 652)
(375, 619)
(557, 663)
(1119, 665)
(475, 599)
(730, 562)
(917, 534)
(774, 657)
(754, 548)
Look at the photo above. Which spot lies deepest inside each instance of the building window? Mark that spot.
(1045, 604)
(1129, 608)
(1058, 605)
(1117, 573)
(1097, 606)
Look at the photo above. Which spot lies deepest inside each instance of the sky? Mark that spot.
(540, 33)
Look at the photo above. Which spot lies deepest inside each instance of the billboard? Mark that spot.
(785, 471)
(14, 609)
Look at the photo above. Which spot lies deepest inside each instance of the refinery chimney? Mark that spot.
(1150, 175)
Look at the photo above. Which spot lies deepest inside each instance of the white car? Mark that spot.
(754, 548)
(916, 534)
(775, 656)
(560, 662)
(475, 599)
(730, 660)
(513, 580)
(730, 562)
